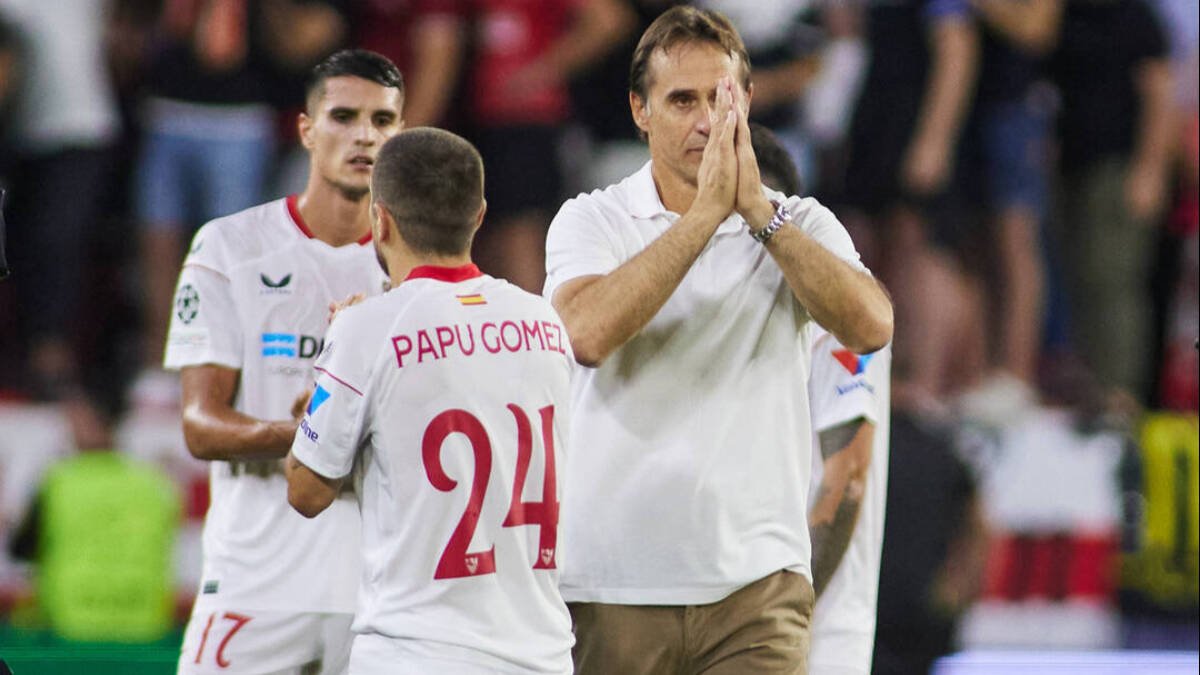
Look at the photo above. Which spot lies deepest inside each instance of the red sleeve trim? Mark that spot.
(338, 380)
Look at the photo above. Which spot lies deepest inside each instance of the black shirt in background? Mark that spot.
(929, 491)
(1101, 45)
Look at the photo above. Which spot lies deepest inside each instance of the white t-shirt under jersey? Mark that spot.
(451, 394)
(253, 296)
(844, 386)
(691, 443)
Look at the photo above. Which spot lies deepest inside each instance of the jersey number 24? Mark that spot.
(456, 561)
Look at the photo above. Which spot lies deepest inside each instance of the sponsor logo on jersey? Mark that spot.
(855, 364)
(308, 431)
(187, 303)
(275, 286)
(843, 389)
(471, 299)
(290, 345)
(319, 396)
(210, 587)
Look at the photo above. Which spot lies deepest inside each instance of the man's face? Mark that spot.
(677, 112)
(344, 129)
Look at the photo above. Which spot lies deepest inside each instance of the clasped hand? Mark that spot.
(728, 179)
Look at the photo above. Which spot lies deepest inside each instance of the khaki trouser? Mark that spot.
(760, 628)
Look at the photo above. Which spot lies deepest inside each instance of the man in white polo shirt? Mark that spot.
(450, 394)
(251, 309)
(850, 397)
(686, 293)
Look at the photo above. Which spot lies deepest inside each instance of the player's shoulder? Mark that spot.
(244, 235)
(634, 195)
(513, 296)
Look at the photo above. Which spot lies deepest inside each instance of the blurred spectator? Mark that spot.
(524, 53)
(210, 131)
(1008, 138)
(783, 46)
(1116, 137)
(1178, 268)
(934, 543)
(600, 103)
(64, 127)
(100, 535)
(9, 73)
(426, 39)
(903, 143)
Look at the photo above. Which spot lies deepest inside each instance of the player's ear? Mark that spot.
(381, 229)
(640, 110)
(304, 125)
(482, 213)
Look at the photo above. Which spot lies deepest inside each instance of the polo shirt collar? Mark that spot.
(645, 203)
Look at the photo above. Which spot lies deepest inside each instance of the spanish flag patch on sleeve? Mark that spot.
(472, 299)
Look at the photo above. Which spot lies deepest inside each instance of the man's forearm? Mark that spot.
(609, 310)
(831, 537)
(846, 453)
(850, 304)
(230, 435)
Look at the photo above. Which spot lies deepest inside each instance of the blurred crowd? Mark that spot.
(1021, 174)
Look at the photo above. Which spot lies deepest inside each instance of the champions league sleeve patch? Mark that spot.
(187, 303)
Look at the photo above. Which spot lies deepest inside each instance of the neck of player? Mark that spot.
(401, 261)
(332, 217)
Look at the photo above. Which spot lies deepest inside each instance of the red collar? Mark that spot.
(450, 274)
(293, 207)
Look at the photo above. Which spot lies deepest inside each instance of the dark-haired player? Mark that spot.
(277, 591)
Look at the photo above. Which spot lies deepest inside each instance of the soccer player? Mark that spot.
(849, 397)
(277, 592)
(447, 398)
(686, 289)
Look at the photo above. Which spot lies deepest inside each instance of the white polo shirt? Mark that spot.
(691, 443)
(451, 393)
(843, 387)
(253, 296)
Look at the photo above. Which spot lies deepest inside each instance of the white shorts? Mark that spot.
(378, 655)
(221, 639)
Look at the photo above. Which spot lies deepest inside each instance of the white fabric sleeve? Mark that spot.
(844, 386)
(333, 427)
(577, 245)
(819, 223)
(204, 326)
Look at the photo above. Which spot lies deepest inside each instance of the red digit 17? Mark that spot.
(456, 561)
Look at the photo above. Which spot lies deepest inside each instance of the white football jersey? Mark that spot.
(450, 394)
(844, 386)
(253, 296)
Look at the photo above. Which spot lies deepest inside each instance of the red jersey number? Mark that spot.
(456, 561)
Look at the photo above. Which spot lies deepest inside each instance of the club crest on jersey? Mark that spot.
(855, 364)
(275, 286)
(187, 303)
